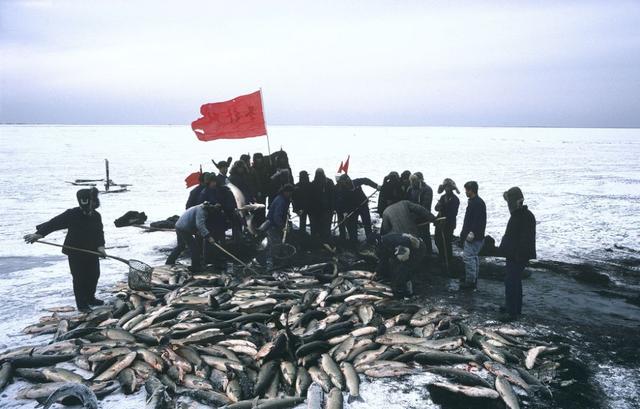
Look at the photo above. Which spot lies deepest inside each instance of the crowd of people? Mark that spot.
(404, 242)
(322, 206)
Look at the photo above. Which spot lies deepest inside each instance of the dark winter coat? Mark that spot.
(240, 177)
(448, 206)
(390, 193)
(302, 197)
(519, 240)
(350, 198)
(322, 196)
(475, 219)
(422, 195)
(194, 196)
(83, 231)
(261, 175)
(403, 217)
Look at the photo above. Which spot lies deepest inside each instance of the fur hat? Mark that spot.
(514, 198)
(402, 253)
(450, 183)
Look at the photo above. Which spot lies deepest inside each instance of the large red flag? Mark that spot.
(241, 117)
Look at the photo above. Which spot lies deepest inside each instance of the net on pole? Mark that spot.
(139, 275)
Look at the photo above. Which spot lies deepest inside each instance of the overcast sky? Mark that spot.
(483, 63)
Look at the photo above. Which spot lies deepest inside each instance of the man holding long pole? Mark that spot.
(84, 231)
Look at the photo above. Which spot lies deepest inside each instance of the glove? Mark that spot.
(102, 251)
(32, 238)
(211, 240)
(470, 237)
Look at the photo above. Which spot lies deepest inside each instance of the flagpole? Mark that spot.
(264, 116)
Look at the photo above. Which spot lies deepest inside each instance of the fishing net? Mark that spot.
(139, 275)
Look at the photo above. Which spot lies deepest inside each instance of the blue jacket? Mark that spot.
(278, 211)
(475, 219)
(193, 221)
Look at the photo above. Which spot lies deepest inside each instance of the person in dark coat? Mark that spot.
(420, 193)
(223, 170)
(518, 246)
(346, 205)
(400, 256)
(191, 229)
(404, 181)
(363, 200)
(391, 192)
(240, 178)
(351, 202)
(246, 158)
(260, 175)
(472, 234)
(194, 194)
(84, 231)
(278, 218)
(321, 206)
(221, 220)
(301, 199)
(447, 208)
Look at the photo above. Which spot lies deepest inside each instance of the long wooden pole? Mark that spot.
(264, 116)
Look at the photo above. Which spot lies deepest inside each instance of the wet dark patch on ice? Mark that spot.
(13, 264)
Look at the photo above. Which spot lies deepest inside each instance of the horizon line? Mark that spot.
(342, 125)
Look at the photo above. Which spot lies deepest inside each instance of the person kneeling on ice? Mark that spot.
(277, 219)
(84, 231)
(191, 228)
(518, 245)
(400, 255)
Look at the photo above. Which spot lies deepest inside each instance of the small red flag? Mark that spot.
(241, 117)
(344, 167)
(193, 179)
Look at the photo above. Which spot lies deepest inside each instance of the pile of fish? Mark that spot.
(273, 341)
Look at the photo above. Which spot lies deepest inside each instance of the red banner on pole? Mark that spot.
(241, 117)
(193, 179)
(344, 166)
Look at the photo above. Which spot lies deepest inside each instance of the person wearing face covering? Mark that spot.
(518, 246)
(391, 192)
(84, 231)
(321, 206)
(301, 199)
(447, 208)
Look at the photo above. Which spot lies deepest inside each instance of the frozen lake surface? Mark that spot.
(583, 185)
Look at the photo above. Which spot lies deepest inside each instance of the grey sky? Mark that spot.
(484, 63)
